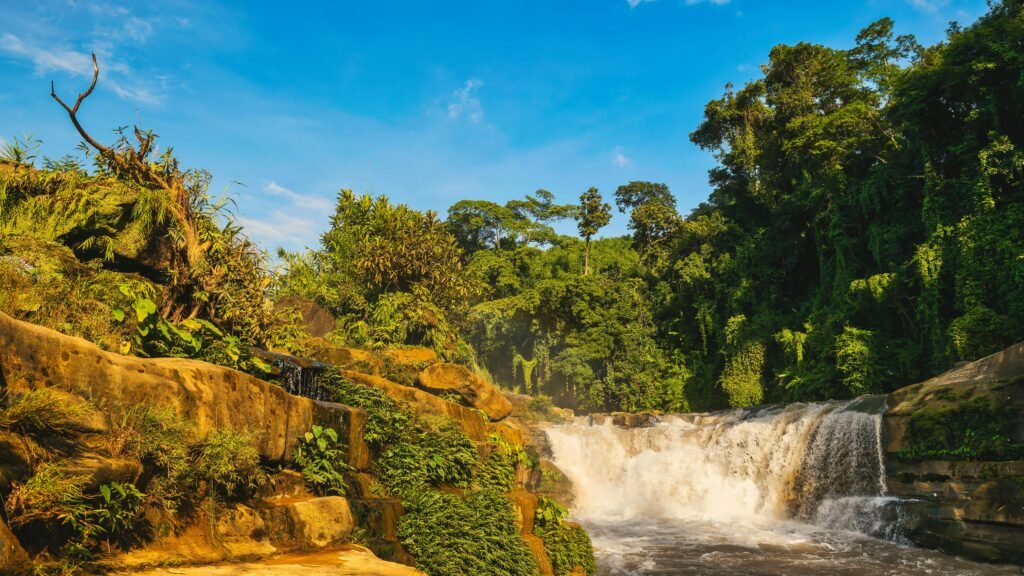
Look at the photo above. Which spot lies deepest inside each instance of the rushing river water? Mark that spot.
(795, 490)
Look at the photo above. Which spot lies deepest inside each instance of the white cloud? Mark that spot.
(635, 3)
(465, 103)
(117, 76)
(282, 228)
(619, 158)
(314, 203)
(137, 29)
(930, 6)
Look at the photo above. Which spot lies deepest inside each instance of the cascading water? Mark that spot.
(797, 489)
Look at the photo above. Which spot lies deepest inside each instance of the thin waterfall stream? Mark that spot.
(796, 489)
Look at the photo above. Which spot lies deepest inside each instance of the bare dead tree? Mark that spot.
(133, 163)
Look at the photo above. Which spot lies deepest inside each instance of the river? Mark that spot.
(793, 490)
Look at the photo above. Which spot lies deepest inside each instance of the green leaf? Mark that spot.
(117, 314)
(144, 308)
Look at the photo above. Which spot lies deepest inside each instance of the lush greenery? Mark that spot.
(473, 534)
(975, 429)
(568, 545)
(321, 457)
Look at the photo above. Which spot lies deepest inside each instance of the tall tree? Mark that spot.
(594, 214)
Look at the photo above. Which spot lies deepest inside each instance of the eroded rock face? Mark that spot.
(212, 396)
(970, 508)
(351, 560)
(448, 378)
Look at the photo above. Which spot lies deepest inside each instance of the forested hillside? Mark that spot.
(865, 230)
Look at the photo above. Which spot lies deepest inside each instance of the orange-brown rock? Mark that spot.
(13, 559)
(350, 560)
(211, 396)
(473, 423)
(442, 378)
(536, 546)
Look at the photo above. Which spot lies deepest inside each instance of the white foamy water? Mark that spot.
(798, 489)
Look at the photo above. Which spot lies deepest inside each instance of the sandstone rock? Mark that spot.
(319, 322)
(13, 559)
(421, 357)
(212, 396)
(309, 524)
(102, 469)
(347, 358)
(473, 423)
(970, 508)
(350, 560)
(525, 505)
(441, 378)
(536, 546)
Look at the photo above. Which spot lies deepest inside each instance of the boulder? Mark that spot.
(13, 559)
(309, 524)
(447, 378)
(211, 396)
(319, 322)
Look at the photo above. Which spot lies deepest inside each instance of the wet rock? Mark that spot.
(536, 546)
(446, 378)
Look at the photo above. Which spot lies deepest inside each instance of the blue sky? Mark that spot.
(426, 102)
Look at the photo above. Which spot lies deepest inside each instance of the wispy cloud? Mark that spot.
(635, 3)
(465, 103)
(120, 78)
(930, 6)
(315, 203)
(619, 158)
(282, 228)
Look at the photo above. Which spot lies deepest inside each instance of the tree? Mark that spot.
(652, 212)
(594, 214)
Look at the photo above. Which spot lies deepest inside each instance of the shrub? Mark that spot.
(387, 422)
(162, 441)
(321, 457)
(118, 508)
(498, 470)
(433, 456)
(40, 412)
(228, 461)
(568, 545)
(978, 429)
(52, 494)
(476, 534)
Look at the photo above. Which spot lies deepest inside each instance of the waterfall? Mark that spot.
(818, 463)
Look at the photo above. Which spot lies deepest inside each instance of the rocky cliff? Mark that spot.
(954, 447)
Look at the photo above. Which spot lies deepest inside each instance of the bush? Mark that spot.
(42, 411)
(228, 461)
(387, 422)
(52, 494)
(321, 457)
(444, 455)
(118, 508)
(162, 441)
(498, 470)
(978, 429)
(476, 534)
(568, 545)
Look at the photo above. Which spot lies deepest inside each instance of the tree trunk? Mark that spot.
(586, 257)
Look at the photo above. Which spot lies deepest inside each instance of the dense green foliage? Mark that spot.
(978, 429)
(863, 233)
(474, 534)
(321, 457)
(568, 545)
